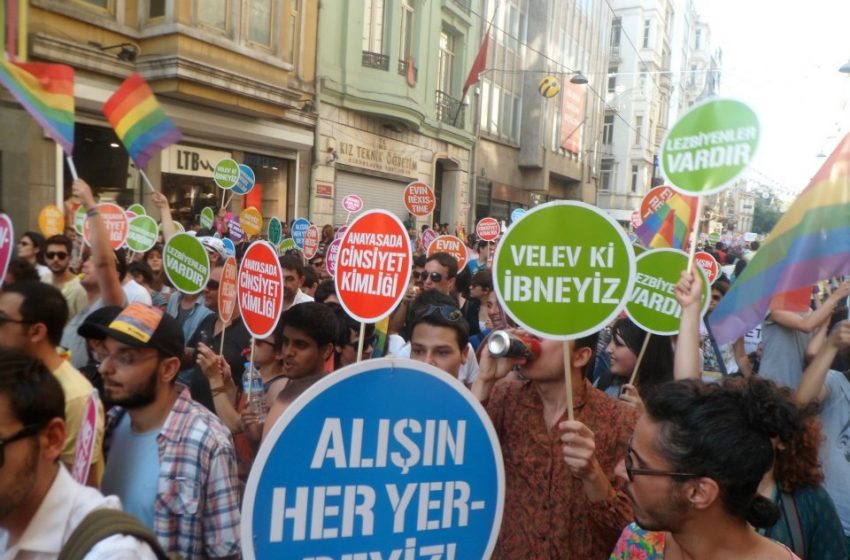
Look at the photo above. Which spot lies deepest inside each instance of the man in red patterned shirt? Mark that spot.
(561, 499)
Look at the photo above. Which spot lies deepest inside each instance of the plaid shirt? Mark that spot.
(196, 512)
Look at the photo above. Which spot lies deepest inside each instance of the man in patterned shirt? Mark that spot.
(561, 498)
(169, 459)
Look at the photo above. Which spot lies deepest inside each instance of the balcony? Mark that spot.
(660, 131)
(376, 60)
(615, 53)
(450, 110)
(402, 70)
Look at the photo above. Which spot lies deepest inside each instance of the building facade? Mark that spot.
(390, 107)
(532, 148)
(236, 76)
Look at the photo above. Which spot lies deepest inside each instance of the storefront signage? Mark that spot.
(260, 289)
(324, 190)
(419, 199)
(188, 160)
(451, 245)
(51, 221)
(115, 219)
(186, 263)
(376, 153)
(488, 229)
(227, 290)
(143, 234)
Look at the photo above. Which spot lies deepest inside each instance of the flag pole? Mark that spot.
(72, 167)
(146, 180)
(694, 233)
(568, 378)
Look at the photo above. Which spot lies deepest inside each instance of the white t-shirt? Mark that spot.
(468, 371)
(135, 292)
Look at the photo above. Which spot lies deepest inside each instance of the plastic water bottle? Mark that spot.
(252, 386)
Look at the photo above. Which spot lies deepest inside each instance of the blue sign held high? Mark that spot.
(299, 231)
(246, 180)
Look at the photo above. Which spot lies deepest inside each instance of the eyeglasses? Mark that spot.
(368, 342)
(448, 312)
(631, 471)
(436, 277)
(24, 432)
(213, 284)
(52, 255)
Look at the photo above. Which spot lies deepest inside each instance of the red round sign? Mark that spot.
(488, 229)
(451, 245)
(331, 254)
(655, 198)
(708, 264)
(352, 203)
(419, 199)
(116, 222)
(373, 266)
(311, 242)
(227, 290)
(260, 289)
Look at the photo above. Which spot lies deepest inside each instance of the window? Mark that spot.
(294, 28)
(616, 32)
(406, 36)
(606, 174)
(260, 22)
(649, 130)
(635, 174)
(647, 26)
(373, 26)
(445, 62)
(608, 129)
(485, 105)
(698, 39)
(612, 78)
(642, 78)
(213, 13)
(156, 9)
(638, 126)
(102, 4)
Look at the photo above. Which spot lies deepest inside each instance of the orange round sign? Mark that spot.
(488, 229)
(227, 290)
(373, 266)
(51, 221)
(311, 242)
(708, 264)
(116, 222)
(260, 290)
(419, 199)
(451, 245)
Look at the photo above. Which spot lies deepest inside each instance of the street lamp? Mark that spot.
(578, 78)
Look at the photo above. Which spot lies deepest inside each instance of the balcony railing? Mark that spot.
(402, 69)
(376, 60)
(450, 110)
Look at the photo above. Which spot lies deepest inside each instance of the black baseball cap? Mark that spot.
(138, 326)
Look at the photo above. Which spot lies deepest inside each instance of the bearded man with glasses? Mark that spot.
(58, 259)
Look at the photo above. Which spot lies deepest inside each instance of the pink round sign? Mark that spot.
(352, 203)
(331, 255)
(7, 244)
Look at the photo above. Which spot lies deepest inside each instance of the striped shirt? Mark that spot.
(196, 512)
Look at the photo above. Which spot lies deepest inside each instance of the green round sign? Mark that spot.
(226, 173)
(207, 218)
(142, 234)
(652, 304)
(177, 225)
(137, 209)
(714, 237)
(79, 219)
(286, 245)
(710, 146)
(563, 270)
(274, 232)
(186, 263)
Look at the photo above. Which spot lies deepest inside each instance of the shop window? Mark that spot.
(103, 162)
(272, 178)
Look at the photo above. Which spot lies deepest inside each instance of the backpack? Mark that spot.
(103, 523)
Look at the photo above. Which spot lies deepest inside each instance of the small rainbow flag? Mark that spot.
(47, 93)
(811, 242)
(670, 224)
(139, 121)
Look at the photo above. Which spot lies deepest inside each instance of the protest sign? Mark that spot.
(652, 304)
(260, 289)
(340, 231)
(137, 209)
(708, 264)
(287, 244)
(451, 245)
(177, 225)
(750, 236)
(299, 230)
(51, 221)
(7, 244)
(311, 242)
(713, 237)
(275, 232)
(115, 219)
(143, 234)
(84, 450)
(428, 237)
(331, 255)
(374, 266)
(352, 203)
(207, 218)
(380, 471)
(710, 146)
(235, 229)
(419, 199)
(636, 220)
(226, 173)
(251, 221)
(79, 219)
(227, 290)
(229, 247)
(186, 263)
(517, 214)
(246, 180)
(488, 229)
(563, 271)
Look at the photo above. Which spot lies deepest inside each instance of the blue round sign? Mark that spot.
(246, 180)
(229, 247)
(299, 231)
(515, 215)
(361, 465)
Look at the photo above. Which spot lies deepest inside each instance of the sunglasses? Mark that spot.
(448, 312)
(369, 342)
(436, 277)
(24, 432)
(631, 471)
(213, 284)
(55, 255)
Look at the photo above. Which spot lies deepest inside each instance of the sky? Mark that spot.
(783, 61)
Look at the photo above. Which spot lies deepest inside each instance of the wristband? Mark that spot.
(218, 390)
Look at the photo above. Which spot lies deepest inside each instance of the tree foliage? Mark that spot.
(765, 214)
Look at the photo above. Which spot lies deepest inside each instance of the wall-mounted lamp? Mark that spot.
(578, 78)
(128, 53)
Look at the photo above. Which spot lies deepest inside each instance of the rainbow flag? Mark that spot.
(811, 242)
(670, 224)
(139, 121)
(47, 93)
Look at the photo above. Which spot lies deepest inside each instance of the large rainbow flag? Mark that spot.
(811, 242)
(139, 121)
(670, 224)
(47, 93)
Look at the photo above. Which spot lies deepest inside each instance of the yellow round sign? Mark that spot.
(51, 221)
(251, 221)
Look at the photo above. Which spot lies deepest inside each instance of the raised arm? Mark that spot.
(102, 255)
(687, 363)
(161, 202)
(812, 383)
(810, 322)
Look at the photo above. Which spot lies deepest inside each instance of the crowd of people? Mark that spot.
(698, 452)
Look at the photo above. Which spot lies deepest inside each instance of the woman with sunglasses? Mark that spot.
(31, 249)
